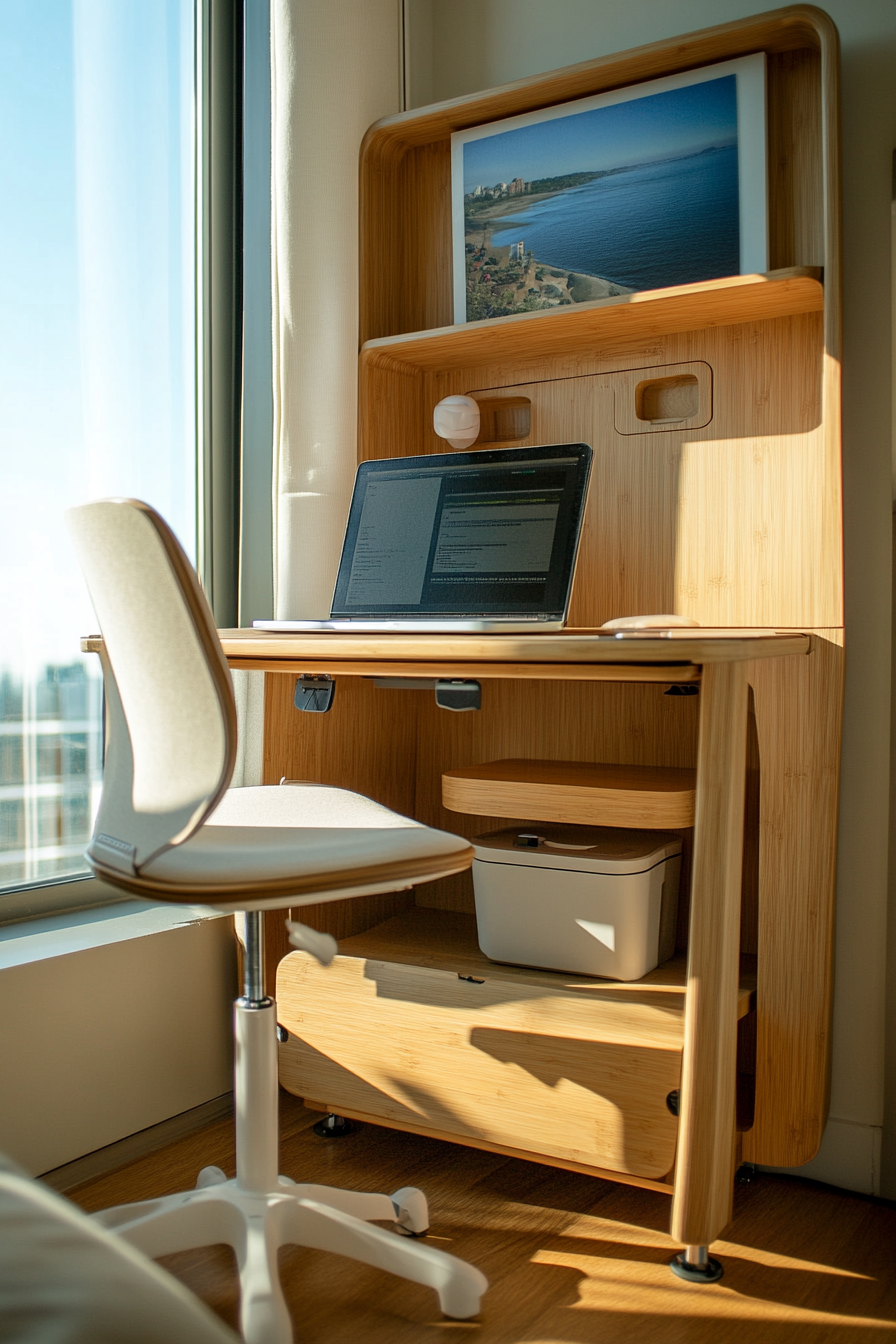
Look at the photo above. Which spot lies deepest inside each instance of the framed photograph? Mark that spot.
(662, 183)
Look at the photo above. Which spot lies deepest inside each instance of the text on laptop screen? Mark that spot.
(464, 534)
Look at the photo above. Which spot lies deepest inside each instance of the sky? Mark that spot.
(679, 121)
(96, 311)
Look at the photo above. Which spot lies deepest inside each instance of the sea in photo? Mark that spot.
(648, 197)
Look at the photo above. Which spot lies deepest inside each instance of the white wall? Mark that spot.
(461, 46)
(118, 1017)
(113, 1020)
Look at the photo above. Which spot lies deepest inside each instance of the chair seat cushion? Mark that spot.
(303, 805)
(272, 846)
(66, 1280)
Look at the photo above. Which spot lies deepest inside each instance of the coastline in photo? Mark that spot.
(604, 201)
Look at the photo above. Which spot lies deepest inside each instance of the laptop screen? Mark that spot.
(493, 532)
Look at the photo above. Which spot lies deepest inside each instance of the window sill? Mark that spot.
(43, 937)
(54, 897)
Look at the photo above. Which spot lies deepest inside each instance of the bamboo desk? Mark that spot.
(724, 665)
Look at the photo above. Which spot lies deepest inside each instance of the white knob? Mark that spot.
(456, 419)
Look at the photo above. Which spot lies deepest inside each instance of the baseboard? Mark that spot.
(849, 1157)
(135, 1146)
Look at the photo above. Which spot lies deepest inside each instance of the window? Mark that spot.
(98, 367)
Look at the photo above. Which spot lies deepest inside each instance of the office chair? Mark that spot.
(169, 829)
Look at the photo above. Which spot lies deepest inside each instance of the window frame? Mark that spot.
(220, 48)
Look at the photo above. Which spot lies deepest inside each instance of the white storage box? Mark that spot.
(587, 900)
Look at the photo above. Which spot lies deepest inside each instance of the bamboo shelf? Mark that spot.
(651, 313)
(575, 792)
(444, 940)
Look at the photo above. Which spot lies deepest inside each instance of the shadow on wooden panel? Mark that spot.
(341, 919)
(795, 215)
(601, 1104)
(720, 519)
(728, 520)
(749, 893)
(365, 743)
(797, 867)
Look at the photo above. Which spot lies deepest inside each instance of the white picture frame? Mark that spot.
(667, 143)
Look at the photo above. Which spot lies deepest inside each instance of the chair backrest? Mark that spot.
(170, 715)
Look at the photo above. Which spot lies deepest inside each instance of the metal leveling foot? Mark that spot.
(696, 1265)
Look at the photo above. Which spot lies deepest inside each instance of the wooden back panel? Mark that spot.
(731, 523)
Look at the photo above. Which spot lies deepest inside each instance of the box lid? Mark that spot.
(590, 849)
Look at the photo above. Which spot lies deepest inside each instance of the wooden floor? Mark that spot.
(571, 1259)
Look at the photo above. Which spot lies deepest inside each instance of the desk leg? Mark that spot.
(704, 1173)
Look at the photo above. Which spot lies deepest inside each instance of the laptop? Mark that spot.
(480, 542)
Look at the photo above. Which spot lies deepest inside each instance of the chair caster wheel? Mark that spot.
(210, 1176)
(411, 1211)
(709, 1271)
(334, 1127)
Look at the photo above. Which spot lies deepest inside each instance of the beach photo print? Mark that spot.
(662, 183)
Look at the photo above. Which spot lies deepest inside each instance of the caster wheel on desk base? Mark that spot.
(334, 1127)
(698, 1268)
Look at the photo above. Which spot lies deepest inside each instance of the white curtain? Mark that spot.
(335, 68)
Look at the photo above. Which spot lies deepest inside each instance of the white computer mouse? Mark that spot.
(664, 622)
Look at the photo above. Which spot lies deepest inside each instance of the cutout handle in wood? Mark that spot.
(663, 401)
(666, 398)
(504, 419)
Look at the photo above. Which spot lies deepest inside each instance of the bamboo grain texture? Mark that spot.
(701, 1204)
(734, 524)
(799, 710)
(644, 315)
(406, 1126)
(571, 646)
(544, 1071)
(666, 674)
